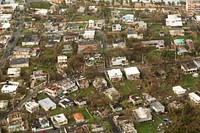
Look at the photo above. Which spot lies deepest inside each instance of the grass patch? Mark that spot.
(41, 96)
(82, 25)
(42, 5)
(85, 18)
(122, 11)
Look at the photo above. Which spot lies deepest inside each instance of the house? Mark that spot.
(174, 20)
(78, 117)
(124, 124)
(15, 122)
(134, 34)
(99, 24)
(128, 18)
(177, 32)
(160, 44)
(91, 24)
(112, 93)
(39, 75)
(96, 128)
(30, 40)
(100, 83)
(35, 52)
(140, 25)
(194, 97)
(82, 83)
(59, 120)
(62, 59)
(142, 114)
(119, 43)
(31, 106)
(119, 61)
(66, 103)
(93, 9)
(42, 124)
(147, 97)
(67, 2)
(21, 52)
(189, 67)
(115, 75)
(3, 105)
(87, 46)
(67, 85)
(67, 49)
(53, 91)
(116, 107)
(53, 37)
(13, 72)
(73, 27)
(181, 51)
(116, 27)
(136, 100)
(70, 36)
(5, 17)
(158, 107)
(132, 73)
(47, 104)
(10, 87)
(160, 74)
(80, 102)
(89, 34)
(179, 90)
(19, 62)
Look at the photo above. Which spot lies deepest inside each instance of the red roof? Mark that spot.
(78, 116)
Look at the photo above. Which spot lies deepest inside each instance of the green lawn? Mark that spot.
(128, 87)
(124, 12)
(85, 18)
(149, 127)
(42, 5)
(41, 96)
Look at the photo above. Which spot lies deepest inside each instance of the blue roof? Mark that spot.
(178, 41)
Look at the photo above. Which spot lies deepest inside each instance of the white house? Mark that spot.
(14, 72)
(47, 104)
(142, 114)
(116, 27)
(10, 87)
(174, 20)
(62, 59)
(3, 104)
(59, 120)
(128, 18)
(179, 90)
(119, 61)
(53, 91)
(89, 34)
(133, 34)
(115, 75)
(132, 73)
(194, 97)
(158, 107)
(31, 106)
(91, 24)
(42, 12)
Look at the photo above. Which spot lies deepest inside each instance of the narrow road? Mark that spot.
(104, 42)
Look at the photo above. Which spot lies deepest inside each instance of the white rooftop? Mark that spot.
(58, 118)
(194, 96)
(179, 90)
(31, 104)
(10, 87)
(131, 70)
(114, 72)
(46, 103)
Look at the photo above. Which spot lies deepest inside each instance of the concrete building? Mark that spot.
(193, 6)
(132, 73)
(10, 87)
(142, 114)
(13, 72)
(174, 20)
(47, 104)
(59, 120)
(31, 106)
(179, 90)
(115, 75)
(194, 97)
(158, 107)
